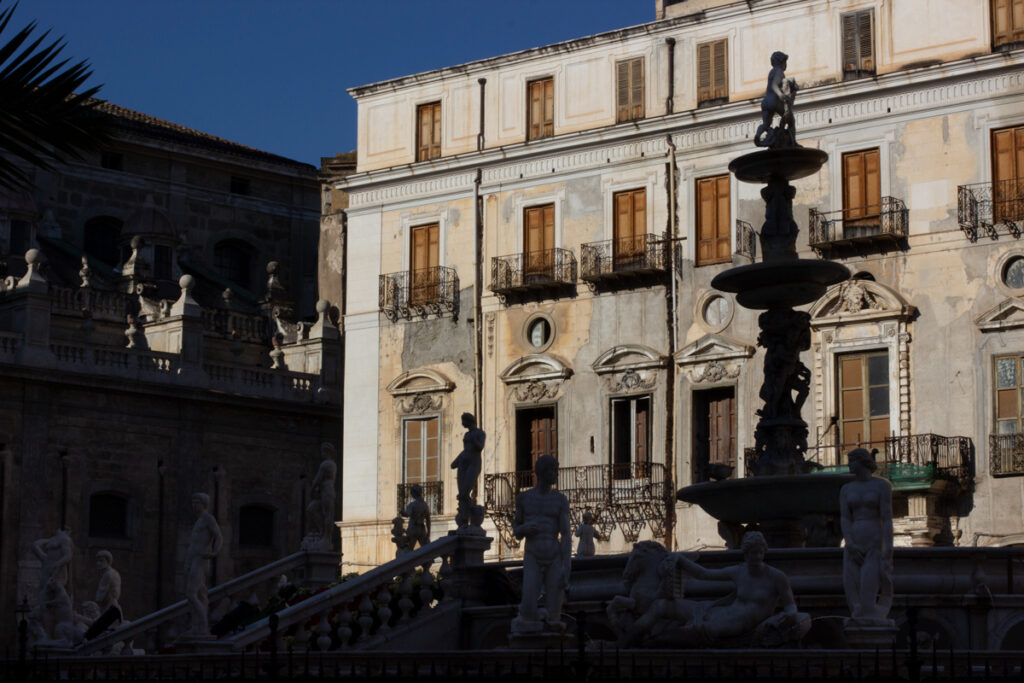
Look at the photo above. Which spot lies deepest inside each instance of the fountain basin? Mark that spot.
(767, 499)
(791, 164)
(780, 284)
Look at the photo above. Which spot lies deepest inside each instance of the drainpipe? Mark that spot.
(216, 509)
(159, 535)
(480, 135)
(478, 279)
(670, 376)
(63, 488)
(669, 103)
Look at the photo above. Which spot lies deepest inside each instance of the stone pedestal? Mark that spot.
(870, 634)
(541, 640)
(467, 581)
(322, 568)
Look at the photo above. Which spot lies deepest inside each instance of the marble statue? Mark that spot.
(542, 518)
(467, 465)
(418, 512)
(57, 618)
(587, 534)
(320, 511)
(777, 101)
(108, 592)
(866, 517)
(55, 553)
(399, 537)
(652, 606)
(203, 545)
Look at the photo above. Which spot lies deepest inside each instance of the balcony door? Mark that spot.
(422, 445)
(630, 227)
(863, 400)
(1008, 174)
(423, 262)
(631, 436)
(714, 432)
(539, 241)
(862, 193)
(536, 435)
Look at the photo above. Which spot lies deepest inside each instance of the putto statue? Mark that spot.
(778, 101)
(542, 518)
(865, 506)
(320, 511)
(467, 465)
(587, 533)
(418, 512)
(203, 545)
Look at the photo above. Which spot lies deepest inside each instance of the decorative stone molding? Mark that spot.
(629, 368)
(1008, 315)
(535, 377)
(535, 391)
(420, 391)
(714, 358)
(418, 404)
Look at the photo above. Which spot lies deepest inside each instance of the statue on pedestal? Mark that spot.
(418, 512)
(777, 101)
(320, 511)
(865, 507)
(468, 464)
(108, 592)
(587, 533)
(55, 553)
(203, 545)
(542, 518)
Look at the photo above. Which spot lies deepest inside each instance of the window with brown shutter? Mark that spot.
(422, 446)
(539, 240)
(423, 262)
(714, 242)
(631, 436)
(1007, 22)
(1008, 174)
(863, 400)
(858, 44)
(629, 89)
(629, 225)
(714, 430)
(712, 72)
(540, 108)
(862, 189)
(428, 131)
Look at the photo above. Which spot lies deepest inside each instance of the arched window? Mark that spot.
(108, 515)
(256, 526)
(102, 235)
(233, 260)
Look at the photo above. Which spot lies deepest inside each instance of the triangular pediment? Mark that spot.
(713, 347)
(420, 382)
(1007, 315)
(535, 366)
(858, 299)
(628, 357)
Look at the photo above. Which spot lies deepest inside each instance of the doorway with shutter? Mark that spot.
(1008, 174)
(714, 433)
(536, 435)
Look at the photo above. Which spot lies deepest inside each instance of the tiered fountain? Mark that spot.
(780, 498)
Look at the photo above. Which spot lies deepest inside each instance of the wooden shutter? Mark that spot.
(862, 186)
(540, 108)
(543, 435)
(714, 242)
(423, 262)
(428, 133)
(422, 451)
(722, 427)
(629, 224)
(636, 87)
(1007, 21)
(641, 434)
(622, 92)
(863, 400)
(858, 43)
(712, 71)
(539, 237)
(1007, 172)
(629, 89)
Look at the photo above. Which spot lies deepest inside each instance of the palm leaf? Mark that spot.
(43, 119)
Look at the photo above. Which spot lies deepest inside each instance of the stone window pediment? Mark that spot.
(859, 300)
(420, 391)
(629, 367)
(535, 377)
(1008, 315)
(714, 358)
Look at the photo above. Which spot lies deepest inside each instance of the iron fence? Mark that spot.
(533, 270)
(987, 206)
(625, 256)
(419, 292)
(885, 221)
(433, 495)
(1006, 454)
(746, 240)
(626, 496)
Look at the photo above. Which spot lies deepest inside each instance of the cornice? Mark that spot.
(819, 108)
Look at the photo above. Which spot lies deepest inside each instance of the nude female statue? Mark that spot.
(866, 517)
(467, 465)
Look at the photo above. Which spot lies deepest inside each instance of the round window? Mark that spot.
(717, 312)
(539, 333)
(1013, 274)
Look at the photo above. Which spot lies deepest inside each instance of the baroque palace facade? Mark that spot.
(532, 237)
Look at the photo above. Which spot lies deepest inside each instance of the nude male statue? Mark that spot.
(108, 592)
(865, 506)
(418, 512)
(542, 518)
(467, 465)
(55, 553)
(203, 545)
(322, 489)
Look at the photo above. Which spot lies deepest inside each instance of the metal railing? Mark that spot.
(628, 496)
(986, 206)
(885, 221)
(433, 495)
(746, 240)
(1006, 454)
(549, 268)
(419, 292)
(625, 256)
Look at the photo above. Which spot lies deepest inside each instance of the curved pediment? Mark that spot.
(713, 347)
(1009, 314)
(420, 382)
(859, 299)
(628, 357)
(535, 366)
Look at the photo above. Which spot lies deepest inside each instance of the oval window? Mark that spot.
(1013, 275)
(539, 333)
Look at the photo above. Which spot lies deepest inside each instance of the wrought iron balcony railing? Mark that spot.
(1006, 454)
(746, 240)
(987, 206)
(420, 292)
(534, 270)
(433, 496)
(626, 496)
(947, 457)
(879, 223)
(625, 257)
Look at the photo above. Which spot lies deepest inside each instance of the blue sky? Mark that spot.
(273, 74)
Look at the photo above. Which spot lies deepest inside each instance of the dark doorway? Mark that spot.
(536, 435)
(631, 435)
(714, 430)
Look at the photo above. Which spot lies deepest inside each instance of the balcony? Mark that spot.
(433, 496)
(550, 271)
(908, 462)
(882, 224)
(746, 240)
(989, 207)
(1006, 454)
(422, 292)
(625, 496)
(627, 259)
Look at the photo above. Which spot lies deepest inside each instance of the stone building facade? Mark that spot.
(532, 237)
(148, 351)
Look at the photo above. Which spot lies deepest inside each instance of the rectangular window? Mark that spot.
(714, 241)
(1009, 386)
(428, 131)
(240, 185)
(862, 191)
(162, 262)
(629, 225)
(858, 44)
(714, 431)
(631, 436)
(423, 262)
(629, 90)
(1008, 174)
(21, 236)
(112, 160)
(536, 435)
(540, 108)
(539, 240)
(422, 450)
(863, 400)
(712, 72)
(1007, 22)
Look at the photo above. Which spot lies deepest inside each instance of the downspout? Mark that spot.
(480, 135)
(670, 376)
(159, 535)
(669, 101)
(478, 279)
(342, 307)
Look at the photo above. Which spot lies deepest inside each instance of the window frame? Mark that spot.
(272, 527)
(405, 420)
(858, 72)
(630, 112)
(125, 501)
(868, 217)
(866, 387)
(544, 124)
(635, 466)
(1015, 35)
(240, 247)
(710, 95)
(434, 149)
(728, 234)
